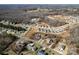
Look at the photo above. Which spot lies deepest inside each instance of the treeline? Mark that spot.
(29, 9)
(5, 41)
(12, 27)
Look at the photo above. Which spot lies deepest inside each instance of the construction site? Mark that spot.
(49, 34)
(41, 36)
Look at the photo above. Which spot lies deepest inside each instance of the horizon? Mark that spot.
(19, 6)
